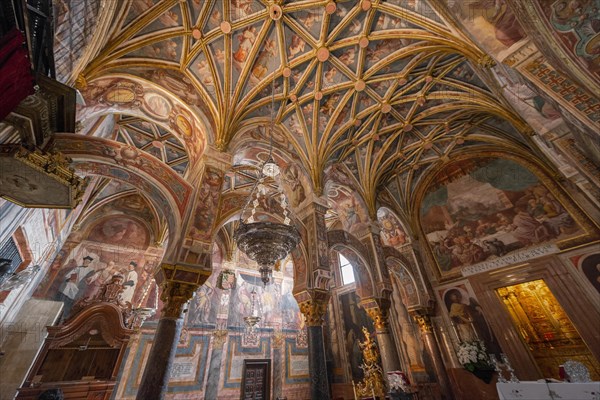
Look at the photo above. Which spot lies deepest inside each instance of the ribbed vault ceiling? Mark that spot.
(383, 86)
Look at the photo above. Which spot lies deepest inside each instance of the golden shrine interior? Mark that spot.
(440, 160)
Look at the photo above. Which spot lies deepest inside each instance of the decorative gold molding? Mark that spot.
(522, 54)
(424, 322)
(174, 296)
(52, 164)
(314, 312)
(380, 317)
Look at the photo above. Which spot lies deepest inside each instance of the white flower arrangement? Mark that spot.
(398, 382)
(472, 355)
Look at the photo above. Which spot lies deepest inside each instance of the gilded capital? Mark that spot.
(424, 323)
(380, 317)
(313, 311)
(174, 296)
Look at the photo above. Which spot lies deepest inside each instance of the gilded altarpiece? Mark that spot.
(545, 328)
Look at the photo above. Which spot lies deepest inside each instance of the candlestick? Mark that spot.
(497, 368)
(509, 368)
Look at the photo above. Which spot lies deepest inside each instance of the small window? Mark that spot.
(347, 271)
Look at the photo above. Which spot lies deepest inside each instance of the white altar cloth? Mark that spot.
(542, 391)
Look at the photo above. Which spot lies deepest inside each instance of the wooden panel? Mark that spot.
(72, 391)
(256, 380)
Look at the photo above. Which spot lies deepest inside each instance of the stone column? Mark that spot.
(158, 367)
(387, 347)
(434, 352)
(314, 311)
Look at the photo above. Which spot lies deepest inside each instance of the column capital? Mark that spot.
(380, 318)
(378, 310)
(314, 311)
(174, 296)
(424, 323)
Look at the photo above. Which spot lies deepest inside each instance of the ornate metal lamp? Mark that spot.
(250, 335)
(266, 242)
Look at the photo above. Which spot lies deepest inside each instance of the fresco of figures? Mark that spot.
(354, 318)
(484, 209)
(494, 24)
(113, 240)
(392, 234)
(466, 316)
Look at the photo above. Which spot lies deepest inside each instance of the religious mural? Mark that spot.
(481, 210)
(114, 240)
(466, 316)
(392, 233)
(576, 25)
(493, 23)
(349, 207)
(354, 318)
(215, 334)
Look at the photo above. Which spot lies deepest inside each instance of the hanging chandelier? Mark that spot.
(266, 242)
(250, 336)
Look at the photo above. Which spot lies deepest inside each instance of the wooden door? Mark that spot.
(256, 380)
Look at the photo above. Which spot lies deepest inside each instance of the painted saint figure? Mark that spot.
(74, 283)
(131, 278)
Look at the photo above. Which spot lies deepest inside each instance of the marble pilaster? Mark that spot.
(433, 349)
(314, 311)
(378, 311)
(158, 366)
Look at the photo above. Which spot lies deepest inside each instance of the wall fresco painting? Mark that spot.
(483, 209)
(493, 23)
(354, 318)
(392, 233)
(466, 316)
(109, 242)
(575, 25)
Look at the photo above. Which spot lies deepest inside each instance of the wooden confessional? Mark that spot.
(82, 356)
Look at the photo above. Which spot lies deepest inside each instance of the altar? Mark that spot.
(541, 390)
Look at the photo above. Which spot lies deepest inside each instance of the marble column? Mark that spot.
(434, 352)
(158, 367)
(387, 348)
(314, 311)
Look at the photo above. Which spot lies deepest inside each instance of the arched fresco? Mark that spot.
(495, 26)
(114, 239)
(484, 209)
(141, 98)
(392, 231)
(348, 205)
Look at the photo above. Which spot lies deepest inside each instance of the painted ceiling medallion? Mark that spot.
(360, 85)
(225, 27)
(275, 12)
(323, 54)
(330, 7)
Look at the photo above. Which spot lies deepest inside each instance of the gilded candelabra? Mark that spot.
(373, 384)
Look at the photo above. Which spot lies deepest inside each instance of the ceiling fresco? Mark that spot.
(383, 86)
(153, 139)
